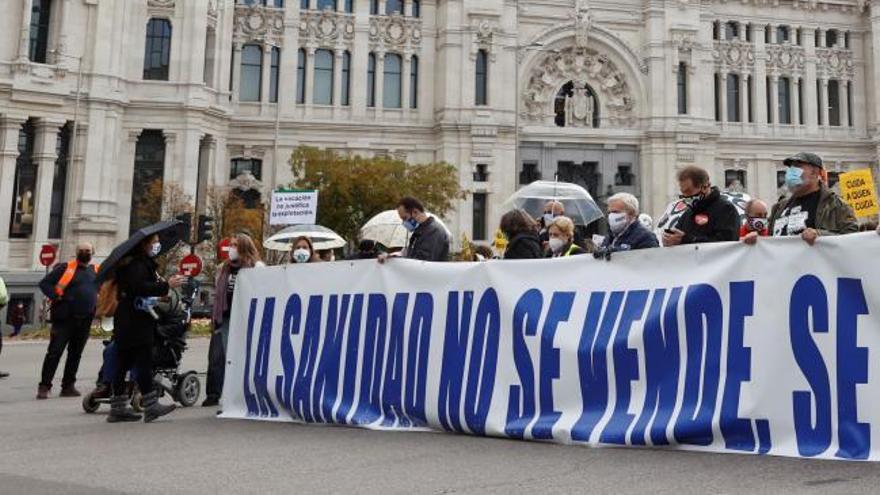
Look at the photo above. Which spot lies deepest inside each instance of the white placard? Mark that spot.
(294, 208)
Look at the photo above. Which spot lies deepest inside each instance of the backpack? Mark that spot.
(108, 299)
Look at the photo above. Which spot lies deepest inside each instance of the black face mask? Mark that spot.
(84, 257)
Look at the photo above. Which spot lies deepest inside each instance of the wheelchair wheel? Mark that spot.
(188, 389)
(90, 404)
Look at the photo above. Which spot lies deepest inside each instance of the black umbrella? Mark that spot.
(170, 233)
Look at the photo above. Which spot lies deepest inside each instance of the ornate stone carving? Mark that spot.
(579, 107)
(246, 182)
(258, 23)
(483, 38)
(325, 27)
(395, 32)
(213, 12)
(582, 22)
(785, 58)
(835, 63)
(733, 55)
(582, 66)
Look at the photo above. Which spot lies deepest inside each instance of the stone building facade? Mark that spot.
(98, 98)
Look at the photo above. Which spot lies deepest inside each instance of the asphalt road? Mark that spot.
(53, 447)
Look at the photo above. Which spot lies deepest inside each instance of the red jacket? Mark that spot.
(745, 230)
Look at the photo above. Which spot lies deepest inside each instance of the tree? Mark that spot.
(353, 189)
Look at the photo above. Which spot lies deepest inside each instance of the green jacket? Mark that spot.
(833, 215)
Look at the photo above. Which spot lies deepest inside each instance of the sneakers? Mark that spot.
(211, 402)
(43, 392)
(153, 409)
(69, 391)
(120, 412)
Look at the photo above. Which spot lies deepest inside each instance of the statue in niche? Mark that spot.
(579, 106)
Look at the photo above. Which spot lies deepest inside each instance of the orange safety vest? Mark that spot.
(68, 275)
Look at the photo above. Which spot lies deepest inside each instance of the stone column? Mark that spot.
(405, 87)
(207, 153)
(822, 38)
(811, 107)
(774, 98)
(774, 38)
(823, 101)
(844, 102)
(168, 164)
(723, 91)
(45, 154)
(310, 79)
(760, 77)
(745, 98)
(24, 35)
(10, 126)
(337, 77)
(380, 80)
(381, 9)
(796, 101)
(265, 74)
(126, 181)
(236, 71)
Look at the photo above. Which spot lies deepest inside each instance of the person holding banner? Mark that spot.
(813, 209)
(428, 241)
(709, 216)
(560, 233)
(304, 251)
(757, 223)
(627, 230)
(242, 254)
(522, 232)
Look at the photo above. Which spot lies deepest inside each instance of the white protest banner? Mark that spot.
(294, 208)
(766, 349)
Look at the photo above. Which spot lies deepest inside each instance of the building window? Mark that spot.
(748, 97)
(269, 3)
(210, 44)
(782, 34)
(251, 72)
(735, 180)
(624, 175)
(371, 80)
(784, 96)
(391, 93)
(846, 40)
(482, 78)
(833, 102)
(25, 185)
(414, 82)
(682, 88)
(479, 214)
(349, 6)
(816, 38)
(849, 105)
(529, 173)
(731, 30)
(323, 83)
(748, 30)
(301, 76)
(831, 38)
(149, 168)
(158, 50)
(327, 4)
(717, 82)
(374, 7)
(780, 179)
(768, 84)
(481, 173)
(733, 103)
(800, 91)
(59, 182)
(797, 37)
(767, 34)
(715, 33)
(241, 166)
(833, 178)
(393, 7)
(819, 100)
(41, 11)
(346, 78)
(304, 4)
(273, 74)
(417, 8)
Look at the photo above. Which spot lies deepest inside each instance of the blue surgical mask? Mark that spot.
(794, 177)
(410, 224)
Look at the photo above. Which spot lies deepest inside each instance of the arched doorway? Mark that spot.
(576, 105)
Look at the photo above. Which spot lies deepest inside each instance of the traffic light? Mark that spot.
(186, 228)
(206, 228)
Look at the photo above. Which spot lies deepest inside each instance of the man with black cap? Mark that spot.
(813, 209)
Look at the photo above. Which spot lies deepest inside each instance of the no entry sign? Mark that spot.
(223, 249)
(48, 254)
(191, 265)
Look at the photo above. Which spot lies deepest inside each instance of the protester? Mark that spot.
(757, 224)
(561, 238)
(626, 231)
(327, 255)
(134, 327)
(552, 209)
(812, 209)
(242, 254)
(73, 290)
(483, 252)
(709, 216)
(522, 234)
(17, 317)
(303, 251)
(428, 241)
(4, 300)
(366, 250)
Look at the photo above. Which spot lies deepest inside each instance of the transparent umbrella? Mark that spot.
(322, 238)
(578, 204)
(387, 229)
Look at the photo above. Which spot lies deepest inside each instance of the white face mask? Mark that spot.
(548, 218)
(155, 249)
(301, 255)
(617, 222)
(556, 244)
(233, 254)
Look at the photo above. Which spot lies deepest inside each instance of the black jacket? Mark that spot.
(80, 297)
(634, 236)
(428, 242)
(712, 219)
(132, 327)
(524, 246)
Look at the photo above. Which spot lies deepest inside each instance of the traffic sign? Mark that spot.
(48, 254)
(191, 265)
(223, 249)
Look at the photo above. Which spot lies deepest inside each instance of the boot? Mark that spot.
(102, 391)
(154, 410)
(43, 392)
(120, 412)
(69, 391)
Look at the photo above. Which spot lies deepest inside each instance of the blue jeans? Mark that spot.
(111, 365)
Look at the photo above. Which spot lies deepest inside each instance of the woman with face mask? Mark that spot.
(303, 251)
(134, 327)
(242, 254)
(561, 238)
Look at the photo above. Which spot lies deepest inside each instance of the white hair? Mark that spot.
(630, 202)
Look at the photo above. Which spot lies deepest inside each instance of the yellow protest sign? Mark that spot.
(857, 189)
(500, 242)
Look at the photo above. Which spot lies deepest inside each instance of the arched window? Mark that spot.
(273, 74)
(391, 93)
(327, 4)
(251, 166)
(157, 52)
(393, 6)
(414, 82)
(251, 72)
(371, 80)
(39, 30)
(323, 84)
(733, 104)
(301, 76)
(481, 95)
(566, 98)
(149, 167)
(346, 78)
